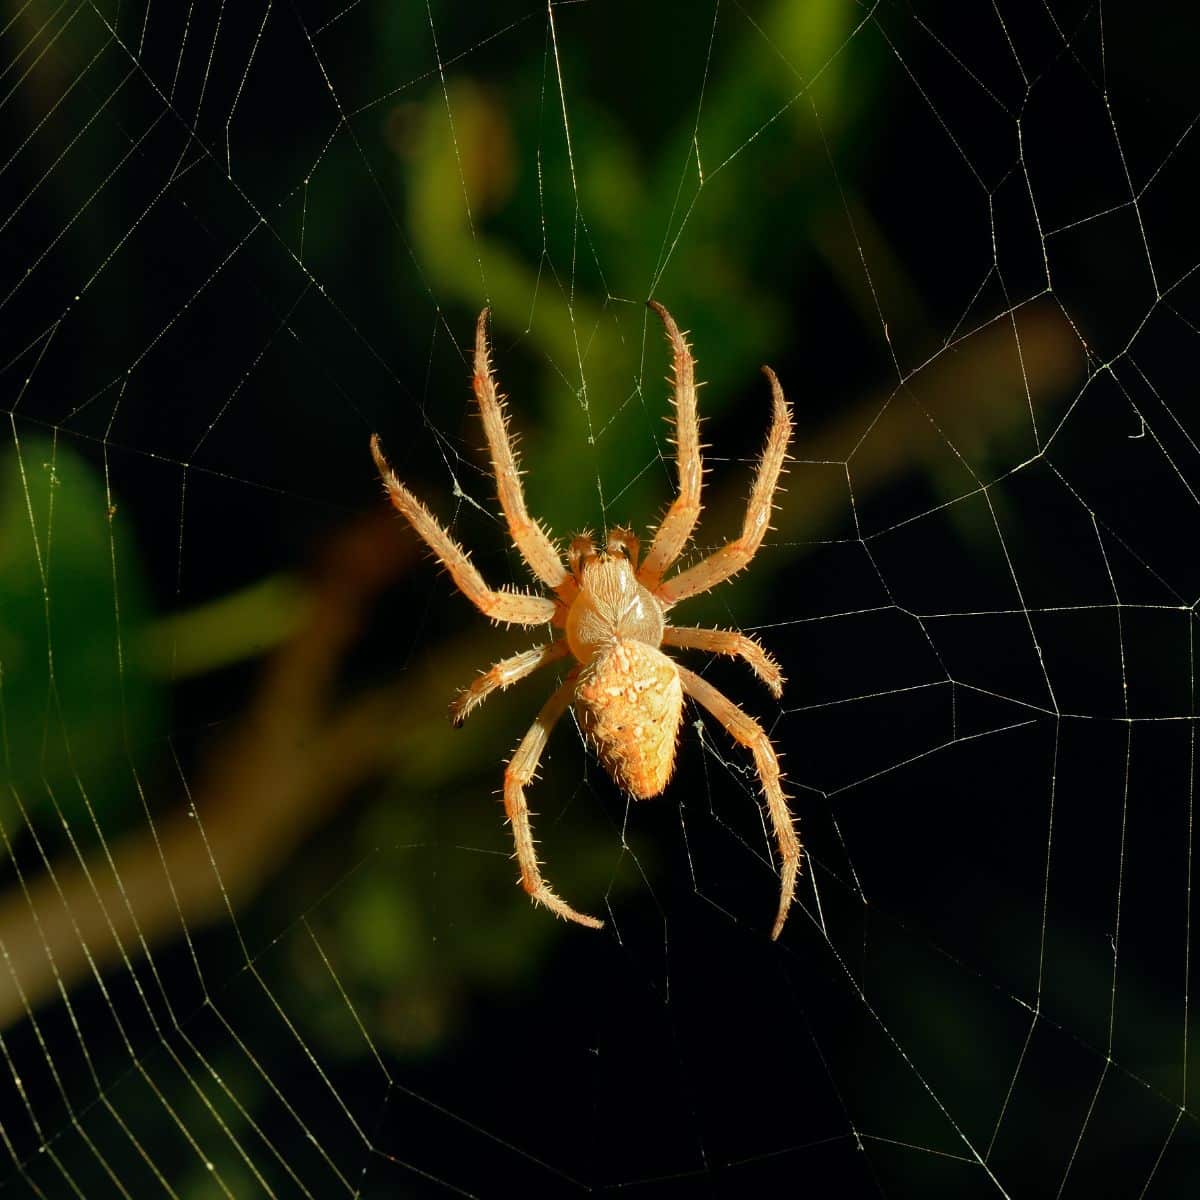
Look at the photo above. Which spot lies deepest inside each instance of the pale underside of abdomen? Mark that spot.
(630, 704)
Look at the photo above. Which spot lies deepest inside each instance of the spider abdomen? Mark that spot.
(629, 701)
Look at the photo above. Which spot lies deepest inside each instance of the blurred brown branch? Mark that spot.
(282, 770)
(292, 760)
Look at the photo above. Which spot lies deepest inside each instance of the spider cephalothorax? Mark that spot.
(612, 613)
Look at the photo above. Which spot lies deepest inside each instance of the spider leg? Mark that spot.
(725, 641)
(746, 731)
(733, 556)
(502, 675)
(517, 775)
(516, 608)
(530, 537)
(677, 525)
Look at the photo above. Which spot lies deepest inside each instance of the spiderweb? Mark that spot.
(258, 929)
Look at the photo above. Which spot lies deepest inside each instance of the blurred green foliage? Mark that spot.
(75, 697)
(694, 231)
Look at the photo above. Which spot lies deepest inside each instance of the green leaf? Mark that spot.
(73, 704)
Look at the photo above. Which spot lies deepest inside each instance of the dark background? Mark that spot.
(258, 928)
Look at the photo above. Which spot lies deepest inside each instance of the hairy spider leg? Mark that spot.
(746, 731)
(519, 773)
(515, 608)
(735, 555)
(504, 674)
(529, 536)
(676, 527)
(726, 641)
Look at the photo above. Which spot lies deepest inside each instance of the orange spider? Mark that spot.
(628, 695)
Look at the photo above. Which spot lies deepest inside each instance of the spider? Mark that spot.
(611, 611)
